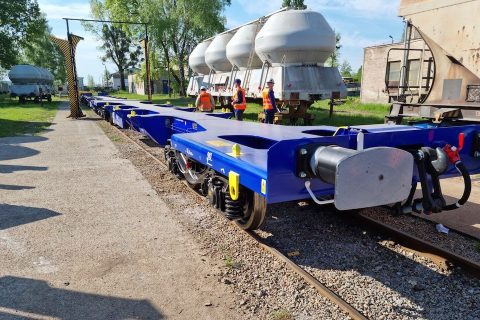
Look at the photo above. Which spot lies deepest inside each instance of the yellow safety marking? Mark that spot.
(236, 151)
(234, 185)
(116, 108)
(218, 143)
(190, 105)
(168, 102)
(338, 130)
(264, 186)
(107, 103)
(132, 114)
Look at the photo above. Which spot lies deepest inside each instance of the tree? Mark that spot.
(346, 69)
(106, 78)
(296, 4)
(20, 21)
(358, 76)
(118, 46)
(42, 52)
(176, 27)
(90, 81)
(333, 61)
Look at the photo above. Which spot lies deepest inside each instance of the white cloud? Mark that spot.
(55, 10)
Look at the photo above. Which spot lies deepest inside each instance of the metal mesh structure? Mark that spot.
(68, 48)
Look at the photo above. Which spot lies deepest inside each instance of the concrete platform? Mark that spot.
(84, 236)
(465, 219)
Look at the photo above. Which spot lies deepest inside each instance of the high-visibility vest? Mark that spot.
(267, 103)
(205, 101)
(243, 104)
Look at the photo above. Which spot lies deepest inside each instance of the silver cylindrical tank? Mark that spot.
(25, 74)
(240, 46)
(197, 58)
(216, 53)
(295, 37)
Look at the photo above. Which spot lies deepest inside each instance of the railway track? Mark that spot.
(440, 256)
(317, 285)
(436, 254)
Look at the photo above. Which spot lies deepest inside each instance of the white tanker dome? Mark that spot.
(216, 53)
(295, 37)
(197, 58)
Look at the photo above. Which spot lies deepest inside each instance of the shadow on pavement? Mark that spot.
(12, 215)
(14, 188)
(36, 298)
(7, 168)
(22, 139)
(11, 152)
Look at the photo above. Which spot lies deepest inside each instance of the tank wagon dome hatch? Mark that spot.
(216, 53)
(241, 45)
(295, 37)
(197, 58)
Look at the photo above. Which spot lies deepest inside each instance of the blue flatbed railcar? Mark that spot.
(244, 166)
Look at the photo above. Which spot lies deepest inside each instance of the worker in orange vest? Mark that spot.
(269, 105)
(205, 102)
(239, 100)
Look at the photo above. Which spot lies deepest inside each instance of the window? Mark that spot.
(393, 73)
(413, 72)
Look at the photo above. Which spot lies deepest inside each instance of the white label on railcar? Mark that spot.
(209, 158)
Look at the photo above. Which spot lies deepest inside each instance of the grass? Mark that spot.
(29, 118)
(353, 112)
(281, 314)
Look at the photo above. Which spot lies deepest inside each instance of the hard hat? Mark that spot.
(238, 81)
(271, 81)
(202, 88)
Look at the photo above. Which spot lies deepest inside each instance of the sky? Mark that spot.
(361, 24)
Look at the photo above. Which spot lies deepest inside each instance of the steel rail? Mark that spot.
(425, 248)
(322, 289)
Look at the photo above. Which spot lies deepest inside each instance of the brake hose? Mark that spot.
(467, 190)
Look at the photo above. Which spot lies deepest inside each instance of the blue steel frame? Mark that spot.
(267, 163)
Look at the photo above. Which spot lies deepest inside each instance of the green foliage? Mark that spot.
(346, 69)
(20, 22)
(334, 59)
(296, 4)
(28, 118)
(175, 26)
(118, 44)
(358, 76)
(42, 52)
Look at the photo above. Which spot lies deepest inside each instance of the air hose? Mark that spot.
(467, 190)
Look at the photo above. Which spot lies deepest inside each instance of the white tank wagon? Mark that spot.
(290, 46)
(31, 82)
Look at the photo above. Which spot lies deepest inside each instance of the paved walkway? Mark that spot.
(84, 236)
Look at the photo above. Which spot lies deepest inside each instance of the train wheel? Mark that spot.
(193, 171)
(255, 212)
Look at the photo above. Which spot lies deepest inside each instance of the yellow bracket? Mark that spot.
(116, 108)
(236, 151)
(234, 185)
(132, 114)
(338, 130)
